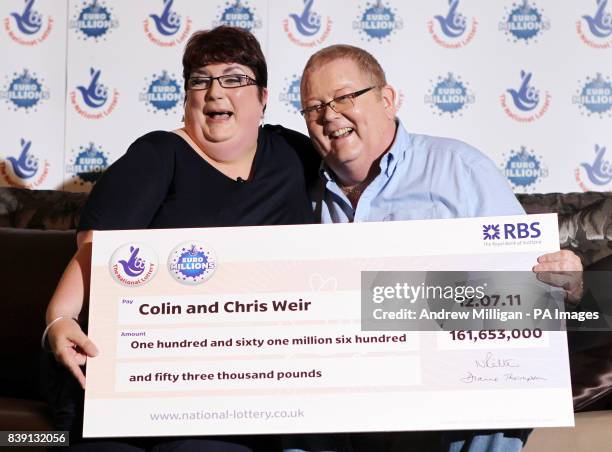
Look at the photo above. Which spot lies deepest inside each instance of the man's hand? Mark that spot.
(562, 269)
(71, 346)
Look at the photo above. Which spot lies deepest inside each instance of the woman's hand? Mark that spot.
(71, 346)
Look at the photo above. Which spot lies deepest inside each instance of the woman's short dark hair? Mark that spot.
(225, 45)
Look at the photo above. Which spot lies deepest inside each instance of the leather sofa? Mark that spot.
(37, 240)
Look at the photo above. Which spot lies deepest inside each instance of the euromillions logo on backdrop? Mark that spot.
(291, 94)
(598, 31)
(162, 93)
(133, 264)
(524, 22)
(524, 169)
(452, 30)
(595, 96)
(93, 100)
(88, 164)
(525, 103)
(378, 21)
(595, 175)
(23, 168)
(93, 20)
(449, 95)
(27, 26)
(168, 28)
(192, 263)
(24, 91)
(306, 29)
(238, 14)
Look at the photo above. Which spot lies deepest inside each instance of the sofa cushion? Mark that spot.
(585, 221)
(40, 209)
(32, 262)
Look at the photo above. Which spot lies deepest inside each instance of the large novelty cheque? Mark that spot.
(259, 330)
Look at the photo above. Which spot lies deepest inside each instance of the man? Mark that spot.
(373, 170)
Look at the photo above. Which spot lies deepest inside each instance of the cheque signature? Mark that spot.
(490, 361)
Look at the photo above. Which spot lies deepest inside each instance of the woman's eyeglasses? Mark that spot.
(226, 81)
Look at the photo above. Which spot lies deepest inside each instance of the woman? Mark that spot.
(221, 169)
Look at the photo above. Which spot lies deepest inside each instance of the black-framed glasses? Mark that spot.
(226, 81)
(339, 104)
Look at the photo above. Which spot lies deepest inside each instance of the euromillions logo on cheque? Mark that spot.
(28, 27)
(449, 95)
(378, 21)
(525, 103)
(192, 263)
(306, 29)
(524, 22)
(595, 175)
(238, 14)
(291, 94)
(168, 28)
(23, 169)
(24, 91)
(452, 30)
(595, 96)
(598, 31)
(94, 20)
(88, 164)
(133, 264)
(162, 93)
(93, 100)
(524, 169)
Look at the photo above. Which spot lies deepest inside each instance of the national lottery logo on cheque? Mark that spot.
(133, 264)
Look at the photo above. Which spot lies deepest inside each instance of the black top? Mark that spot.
(161, 182)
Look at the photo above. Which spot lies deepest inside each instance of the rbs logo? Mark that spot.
(522, 230)
(512, 231)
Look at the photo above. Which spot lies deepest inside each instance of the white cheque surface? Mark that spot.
(257, 330)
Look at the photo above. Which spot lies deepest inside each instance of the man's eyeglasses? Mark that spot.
(339, 104)
(226, 81)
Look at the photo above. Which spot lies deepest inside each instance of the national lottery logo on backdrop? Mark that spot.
(378, 21)
(28, 26)
(525, 103)
(598, 31)
(238, 14)
(87, 164)
(595, 174)
(167, 28)
(24, 91)
(594, 96)
(162, 93)
(291, 94)
(524, 169)
(94, 20)
(94, 100)
(192, 263)
(449, 95)
(524, 22)
(23, 168)
(307, 29)
(133, 264)
(452, 30)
